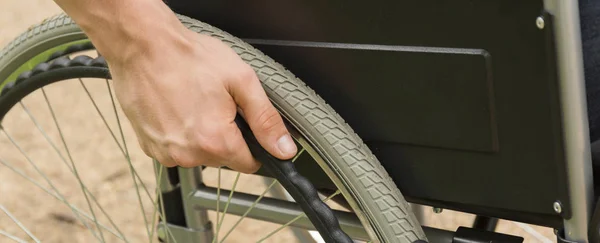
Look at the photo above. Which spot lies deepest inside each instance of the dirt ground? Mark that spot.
(101, 164)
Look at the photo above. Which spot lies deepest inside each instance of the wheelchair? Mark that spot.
(476, 107)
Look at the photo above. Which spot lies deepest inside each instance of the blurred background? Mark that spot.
(92, 147)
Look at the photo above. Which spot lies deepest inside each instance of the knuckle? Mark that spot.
(208, 147)
(181, 157)
(246, 74)
(269, 119)
(216, 149)
(226, 152)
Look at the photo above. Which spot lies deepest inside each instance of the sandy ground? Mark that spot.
(101, 164)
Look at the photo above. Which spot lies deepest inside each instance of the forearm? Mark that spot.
(121, 28)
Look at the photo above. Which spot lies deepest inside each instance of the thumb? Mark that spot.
(263, 119)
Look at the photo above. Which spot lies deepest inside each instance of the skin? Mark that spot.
(180, 90)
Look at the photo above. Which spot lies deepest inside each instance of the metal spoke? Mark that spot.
(123, 151)
(298, 155)
(44, 176)
(220, 221)
(218, 196)
(131, 169)
(155, 202)
(76, 211)
(75, 172)
(296, 218)
(12, 237)
(39, 127)
(101, 116)
(14, 219)
(248, 210)
(255, 201)
(64, 160)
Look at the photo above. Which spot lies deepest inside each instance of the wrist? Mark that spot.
(129, 33)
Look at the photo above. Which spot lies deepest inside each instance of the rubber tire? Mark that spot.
(357, 168)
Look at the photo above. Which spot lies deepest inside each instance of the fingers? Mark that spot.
(228, 148)
(264, 120)
(240, 158)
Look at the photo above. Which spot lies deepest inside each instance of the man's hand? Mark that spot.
(181, 90)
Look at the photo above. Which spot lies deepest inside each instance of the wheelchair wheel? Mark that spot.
(57, 106)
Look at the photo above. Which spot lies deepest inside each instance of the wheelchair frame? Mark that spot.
(574, 113)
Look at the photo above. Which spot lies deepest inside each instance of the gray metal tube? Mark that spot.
(271, 210)
(574, 113)
(281, 212)
(197, 220)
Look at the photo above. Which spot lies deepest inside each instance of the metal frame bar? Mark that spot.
(272, 210)
(281, 211)
(190, 179)
(574, 115)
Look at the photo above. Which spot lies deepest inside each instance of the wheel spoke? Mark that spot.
(76, 211)
(101, 116)
(216, 237)
(12, 237)
(248, 210)
(131, 168)
(157, 201)
(14, 219)
(255, 201)
(46, 137)
(295, 219)
(64, 160)
(220, 221)
(37, 169)
(125, 152)
(75, 172)
(155, 205)
(298, 155)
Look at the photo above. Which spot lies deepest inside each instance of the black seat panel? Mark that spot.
(448, 105)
